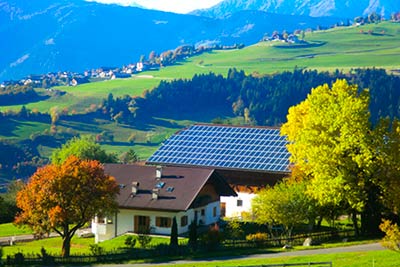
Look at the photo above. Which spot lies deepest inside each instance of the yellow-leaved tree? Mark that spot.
(333, 142)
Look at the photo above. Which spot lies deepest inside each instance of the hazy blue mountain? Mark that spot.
(314, 8)
(56, 35)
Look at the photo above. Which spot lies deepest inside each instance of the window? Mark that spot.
(184, 220)
(203, 212)
(163, 222)
(239, 203)
(215, 211)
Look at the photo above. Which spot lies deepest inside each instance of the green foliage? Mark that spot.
(96, 249)
(129, 157)
(16, 94)
(330, 141)
(233, 230)
(257, 238)
(257, 98)
(84, 148)
(19, 258)
(213, 237)
(285, 204)
(392, 235)
(46, 258)
(144, 238)
(193, 235)
(8, 204)
(174, 234)
(130, 241)
(348, 162)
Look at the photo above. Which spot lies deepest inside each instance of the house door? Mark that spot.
(141, 224)
(223, 209)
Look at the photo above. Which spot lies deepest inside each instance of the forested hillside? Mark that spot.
(267, 98)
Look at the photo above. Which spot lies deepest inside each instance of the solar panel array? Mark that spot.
(232, 147)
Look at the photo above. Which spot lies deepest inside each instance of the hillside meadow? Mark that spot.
(343, 48)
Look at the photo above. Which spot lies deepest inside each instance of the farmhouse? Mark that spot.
(249, 158)
(151, 196)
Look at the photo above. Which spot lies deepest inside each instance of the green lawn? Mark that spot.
(78, 245)
(351, 259)
(9, 229)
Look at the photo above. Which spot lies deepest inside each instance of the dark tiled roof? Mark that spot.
(185, 182)
(226, 147)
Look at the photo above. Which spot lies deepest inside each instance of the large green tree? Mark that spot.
(84, 147)
(64, 197)
(284, 204)
(332, 141)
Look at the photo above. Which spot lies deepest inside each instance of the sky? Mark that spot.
(177, 6)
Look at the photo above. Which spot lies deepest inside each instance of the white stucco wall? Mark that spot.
(125, 221)
(231, 208)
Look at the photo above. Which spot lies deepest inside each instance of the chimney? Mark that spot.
(155, 194)
(135, 188)
(158, 172)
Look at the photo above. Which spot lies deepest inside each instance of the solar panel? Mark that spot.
(233, 147)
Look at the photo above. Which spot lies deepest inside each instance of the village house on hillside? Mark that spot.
(249, 158)
(150, 197)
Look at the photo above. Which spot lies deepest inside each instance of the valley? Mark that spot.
(341, 48)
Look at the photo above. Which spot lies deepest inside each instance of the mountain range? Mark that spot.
(313, 8)
(75, 35)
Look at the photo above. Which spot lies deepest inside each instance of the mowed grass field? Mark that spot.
(382, 258)
(340, 48)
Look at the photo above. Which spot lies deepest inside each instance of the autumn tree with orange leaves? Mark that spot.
(63, 198)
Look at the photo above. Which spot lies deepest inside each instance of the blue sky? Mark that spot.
(177, 6)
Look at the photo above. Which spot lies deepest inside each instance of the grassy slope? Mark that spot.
(343, 48)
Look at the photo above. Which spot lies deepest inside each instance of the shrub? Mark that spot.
(392, 237)
(174, 234)
(46, 258)
(258, 238)
(213, 237)
(144, 238)
(19, 259)
(234, 230)
(130, 241)
(96, 250)
(193, 235)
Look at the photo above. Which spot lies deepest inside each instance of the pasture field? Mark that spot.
(342, 48)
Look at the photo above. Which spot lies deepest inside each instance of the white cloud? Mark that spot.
(49, 42)
(20, 60)
(177, 6)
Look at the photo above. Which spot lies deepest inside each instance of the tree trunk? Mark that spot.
(355, 223)
(372, 215)
(319, 223)
(66, 246)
